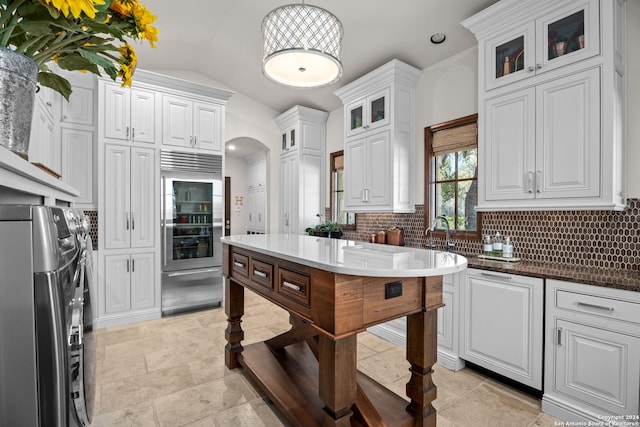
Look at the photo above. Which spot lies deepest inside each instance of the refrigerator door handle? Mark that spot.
(187, 273)
(162, 222)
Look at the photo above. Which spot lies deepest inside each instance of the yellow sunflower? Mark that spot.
(76, 7)
(128, 62)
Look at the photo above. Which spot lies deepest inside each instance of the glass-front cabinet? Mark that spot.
(289, 139)
(368, 113)
(561, 37)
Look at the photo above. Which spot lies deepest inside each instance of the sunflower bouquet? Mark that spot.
(84, 35)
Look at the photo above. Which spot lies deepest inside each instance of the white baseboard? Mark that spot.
(127, 318)
(568, 411)
(389, 334)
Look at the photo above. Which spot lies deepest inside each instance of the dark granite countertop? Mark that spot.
(620, 279)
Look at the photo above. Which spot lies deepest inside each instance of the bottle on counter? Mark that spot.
(488, 246)
(497, 245)
(507, 248)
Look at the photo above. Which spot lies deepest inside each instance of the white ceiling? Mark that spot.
(222, 40)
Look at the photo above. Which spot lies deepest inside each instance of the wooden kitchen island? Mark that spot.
(334, 289)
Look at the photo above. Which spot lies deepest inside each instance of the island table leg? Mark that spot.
(422, 354)
(337, 372)
(234, 309)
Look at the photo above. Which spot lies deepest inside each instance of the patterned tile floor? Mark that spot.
(170, 372)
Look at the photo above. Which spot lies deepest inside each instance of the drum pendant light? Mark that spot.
(302, 46)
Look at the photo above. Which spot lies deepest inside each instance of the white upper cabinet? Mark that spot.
(367, 113)
(129, 113)
(379, 122)
(191, 123)
(79, 109)
(561, 37)
(551, 104)
(302, 168)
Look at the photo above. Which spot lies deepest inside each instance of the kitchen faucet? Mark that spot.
(449, 245)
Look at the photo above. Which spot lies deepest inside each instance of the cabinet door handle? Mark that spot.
(538, 66)
(133, 222)
(530, 68)
(195, 140)
(260, 273)
(496, 275)
(596, 306)
(126, 220)
(127, 133)
(538, 181)
(133, 265)
(133, 133)
(239, 264)
(127, 266)
(291, 286)
(286, 219)
(530, 176)
(559, 336)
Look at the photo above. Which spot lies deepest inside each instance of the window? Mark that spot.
(346, 220)
(451, 176)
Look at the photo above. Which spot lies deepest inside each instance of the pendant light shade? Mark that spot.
(302, 46)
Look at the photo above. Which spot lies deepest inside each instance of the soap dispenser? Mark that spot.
(497, 245)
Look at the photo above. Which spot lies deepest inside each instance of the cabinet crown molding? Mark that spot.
(393, 71)
(145, 77)
(299, 112)
(491, 20)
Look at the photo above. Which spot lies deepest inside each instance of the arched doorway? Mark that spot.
(246, 186)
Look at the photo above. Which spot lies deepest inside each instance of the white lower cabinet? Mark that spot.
(592, 353)
(130, 282)
(501, 324)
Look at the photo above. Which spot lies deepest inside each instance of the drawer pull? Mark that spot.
(496, 275)
(239, 264)
(291, 286)
(260, 273)
(598, 307)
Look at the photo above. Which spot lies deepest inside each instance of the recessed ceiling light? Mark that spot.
(437, 38)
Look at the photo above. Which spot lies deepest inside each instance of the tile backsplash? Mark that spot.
(602, 239)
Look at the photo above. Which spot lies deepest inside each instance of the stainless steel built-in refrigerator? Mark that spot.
(192, 215)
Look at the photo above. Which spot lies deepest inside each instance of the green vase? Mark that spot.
(18, 76)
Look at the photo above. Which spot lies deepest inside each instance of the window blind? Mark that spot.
(454, 139)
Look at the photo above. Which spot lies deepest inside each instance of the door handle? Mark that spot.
(188, 273)
(530, 176)
(133, 223)
(133, 133)
(496, 275)
(538, 181)
(127, 266)
(127, 131)
(133, 265)
(126, 220)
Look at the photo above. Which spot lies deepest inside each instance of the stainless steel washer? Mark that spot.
(46, 339)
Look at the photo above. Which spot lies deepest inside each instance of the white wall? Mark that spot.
(248, 118)
(445, 91)
(236, 169)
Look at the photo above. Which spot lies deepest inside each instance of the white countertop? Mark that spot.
(18, 174)
(350, 257)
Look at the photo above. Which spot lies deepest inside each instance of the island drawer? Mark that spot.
(294, 286)
(261, 273)
(240, 264)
